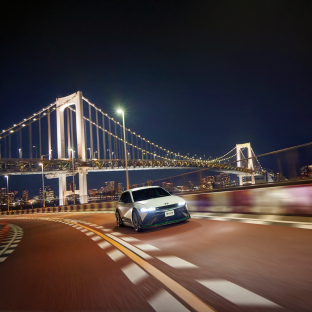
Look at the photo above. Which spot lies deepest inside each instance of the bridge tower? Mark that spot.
(239, 159)
(61, 104)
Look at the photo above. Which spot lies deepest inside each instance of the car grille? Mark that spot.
(169, 206)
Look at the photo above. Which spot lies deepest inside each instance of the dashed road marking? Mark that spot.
(137, 251)
(134, 273)
(146, 247)
(177, 262)
(115, 255)
(117, 233)
(104, 244)
(235, 293)
(163, 302)
(130, 239)
(84, 230)
(96, 238)
(106, 230)
(8, 251)
(89, 233)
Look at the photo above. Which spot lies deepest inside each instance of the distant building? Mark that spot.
(119, 188)
(25, 196)
(167, 186)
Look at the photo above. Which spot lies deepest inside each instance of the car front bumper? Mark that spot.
(157, 218)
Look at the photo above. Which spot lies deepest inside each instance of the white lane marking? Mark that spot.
(89, 233)
(176, 262)
(84, 230)
(146, 247)
(117, 233)
(139, 252)
(8, 251)
(106, 230)
(218, 218)
(115, 255)
(104, 244)
(303, 226)
(134, 273)
(235, 293)
(13, 246)
(130, 239)
(100, 227)
(255, 222)
(2, 259)
(17, 241)
(163, 302)
(96, 238)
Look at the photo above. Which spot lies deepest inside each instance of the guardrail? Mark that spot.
(108, 206)
(295, 200)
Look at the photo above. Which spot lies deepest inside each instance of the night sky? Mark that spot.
(194, 76)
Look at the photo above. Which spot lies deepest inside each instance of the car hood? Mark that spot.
(158, 202)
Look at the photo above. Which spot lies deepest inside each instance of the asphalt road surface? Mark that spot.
(83, 261)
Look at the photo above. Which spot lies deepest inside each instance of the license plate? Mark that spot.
(169, 213)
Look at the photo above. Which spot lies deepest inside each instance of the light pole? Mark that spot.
(7, 177)
(89, 148)
(109, 154)
(120, 111)
(73, 165)
(20, 153)
(94, 154)
(42, 185)
(36, 150)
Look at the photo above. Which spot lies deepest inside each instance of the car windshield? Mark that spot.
(149, 193)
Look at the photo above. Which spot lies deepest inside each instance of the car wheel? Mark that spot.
(118, 218)
(136, 221)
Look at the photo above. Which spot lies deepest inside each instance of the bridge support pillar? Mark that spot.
(240, 177)
(62, 188)
(83, 188)
(253, 178)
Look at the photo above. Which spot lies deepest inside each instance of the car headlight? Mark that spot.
(182, 203)
(147, 209)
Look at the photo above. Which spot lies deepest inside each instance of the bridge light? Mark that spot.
(23, 125)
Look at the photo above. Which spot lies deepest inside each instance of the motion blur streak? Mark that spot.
(179, 290)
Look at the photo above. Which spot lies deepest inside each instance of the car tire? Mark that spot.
(136, 221)
(118, 219)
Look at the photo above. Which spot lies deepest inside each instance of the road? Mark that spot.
(83, 261)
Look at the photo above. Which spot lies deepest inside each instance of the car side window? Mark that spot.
(122, 198)
(127, 199)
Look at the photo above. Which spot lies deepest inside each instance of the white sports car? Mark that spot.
(149, 206)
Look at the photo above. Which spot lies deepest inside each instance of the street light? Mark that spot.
(94, 154)
(109, 153)
(8, 192)
(40, 164)
(120, 111)
(20, 153)
(73, 165)
(36, 150)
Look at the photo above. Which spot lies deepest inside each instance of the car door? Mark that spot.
(128, 205)
(125, 204)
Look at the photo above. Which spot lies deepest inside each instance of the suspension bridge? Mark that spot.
(88, 140)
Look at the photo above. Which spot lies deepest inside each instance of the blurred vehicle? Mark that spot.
(149, 206)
